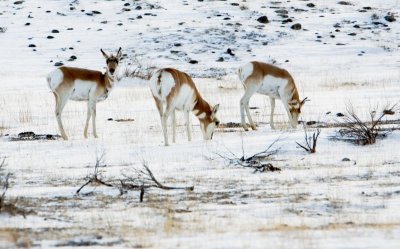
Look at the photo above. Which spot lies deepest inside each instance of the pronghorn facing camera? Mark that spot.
(176, 90)
(82, 85)
(273, 81)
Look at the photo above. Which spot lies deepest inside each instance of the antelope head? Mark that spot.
(295, 110)
(112, 62)
(209, 122)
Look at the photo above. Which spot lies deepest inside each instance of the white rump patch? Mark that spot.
(54, 79)
(245, 71)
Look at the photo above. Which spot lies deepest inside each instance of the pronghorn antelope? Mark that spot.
(273, 81)
(176, 90)
(82, 85)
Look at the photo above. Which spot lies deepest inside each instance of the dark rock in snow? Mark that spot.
(263, 19)
(72, 58)
(220, 59)
(311, 5)
(296, 26)
(50, 37)
(55, 31)
(344, 3)
(287, 20)
(193, 62)
(229, 51)
(18, 2)
(32, 45)
(346, 159)
(58, 64)
(390, 18)
(339, 114)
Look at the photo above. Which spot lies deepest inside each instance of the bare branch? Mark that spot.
(256, 161)
(310, 141)
(359, 132)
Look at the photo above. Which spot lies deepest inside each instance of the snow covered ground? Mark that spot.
(341, 55)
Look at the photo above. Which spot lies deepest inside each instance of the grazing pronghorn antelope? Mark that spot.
(273, 81)
(176, 90)
(82, 85)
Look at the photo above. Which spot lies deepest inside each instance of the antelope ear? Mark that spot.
(119, 53)
(104, 54)
(215, 108)
(304, 101)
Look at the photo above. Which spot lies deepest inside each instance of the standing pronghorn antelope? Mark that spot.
(82, 85)
(176, 90)
(275, 82)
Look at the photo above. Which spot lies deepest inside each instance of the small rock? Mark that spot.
(311, 5)
(287, 20)
(344, 3)
(32, 46)
(390, 18)
(229, 51)
(96, 12)
(220, 59)
(55, 31)
(296, 26)
(50, 37)
(138, 7)
(193, 62)
(263, 19)
(339, 114)
(58, 64)
(27, 24)
(234, 4)
(356, 26)
(18, 2)
(352, 34)
(127, 4)
(346, 159)
(72, 58)
(177, 44)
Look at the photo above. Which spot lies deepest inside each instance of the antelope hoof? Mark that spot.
(253, 127)
(245, 128)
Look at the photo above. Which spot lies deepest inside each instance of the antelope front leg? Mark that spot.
(93, 111)
(271, 120)
(89, 114)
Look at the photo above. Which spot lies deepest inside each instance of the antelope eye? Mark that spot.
(216, 123)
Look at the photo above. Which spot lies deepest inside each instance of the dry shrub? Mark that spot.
(360, 132)
(310, 144)
(136, 68)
